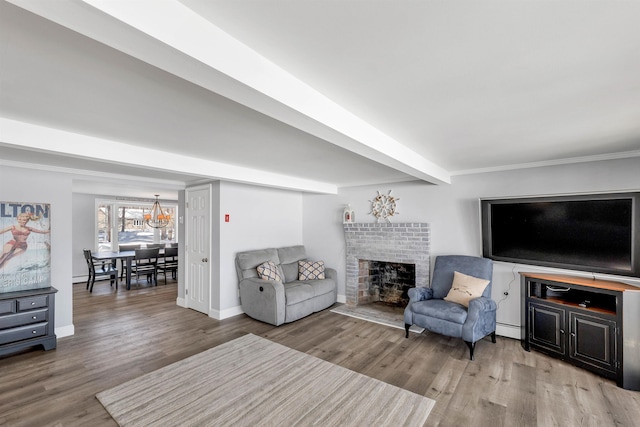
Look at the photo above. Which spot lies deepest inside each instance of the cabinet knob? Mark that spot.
(33, 303)
(562, 331)
(573, 334)
(34, 332)
(34, 317)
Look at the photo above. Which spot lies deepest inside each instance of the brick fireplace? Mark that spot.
(404, 245)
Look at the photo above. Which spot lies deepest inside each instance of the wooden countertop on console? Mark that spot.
(583, 281)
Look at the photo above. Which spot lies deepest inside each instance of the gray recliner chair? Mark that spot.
(428, 309)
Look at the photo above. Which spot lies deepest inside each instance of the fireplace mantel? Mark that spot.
(407, 243)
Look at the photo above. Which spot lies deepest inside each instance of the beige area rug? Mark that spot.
(377, 313)
(252, 381)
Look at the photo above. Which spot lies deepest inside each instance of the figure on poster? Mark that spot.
(20, 234)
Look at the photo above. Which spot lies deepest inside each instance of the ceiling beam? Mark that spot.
(44, 139)
(172, 37)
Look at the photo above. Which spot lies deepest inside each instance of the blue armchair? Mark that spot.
(428, 309)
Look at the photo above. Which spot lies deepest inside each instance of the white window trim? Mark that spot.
(115, 205)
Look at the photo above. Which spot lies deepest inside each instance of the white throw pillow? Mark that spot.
(465, 288)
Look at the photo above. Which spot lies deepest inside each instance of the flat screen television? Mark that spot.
(598, 233)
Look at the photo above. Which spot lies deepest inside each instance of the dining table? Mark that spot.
(126, 256)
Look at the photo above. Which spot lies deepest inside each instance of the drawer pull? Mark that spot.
(33, 303)
(34, 332)
(551, 288)
(34, 317)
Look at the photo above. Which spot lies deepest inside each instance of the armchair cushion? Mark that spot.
(440, 309)
(465, 288)
(268, 270)
(308, 270)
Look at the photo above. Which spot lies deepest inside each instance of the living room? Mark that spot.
(267, 208)
(563, 382)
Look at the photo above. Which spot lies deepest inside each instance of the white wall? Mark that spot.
(27, 185)
(84, 226)
(260, 218)
(453, 213)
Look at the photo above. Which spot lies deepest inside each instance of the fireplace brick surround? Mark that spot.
(407, 243)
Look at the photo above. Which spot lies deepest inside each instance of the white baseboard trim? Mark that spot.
(342, 299)
(65, 331)
(83, 279)
(180, 302)
(226, 313)
(509, 331)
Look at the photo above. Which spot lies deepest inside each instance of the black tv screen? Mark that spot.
(594, 233)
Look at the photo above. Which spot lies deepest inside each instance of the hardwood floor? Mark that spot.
(120, 336)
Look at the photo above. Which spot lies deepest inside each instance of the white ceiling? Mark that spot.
(317, 94)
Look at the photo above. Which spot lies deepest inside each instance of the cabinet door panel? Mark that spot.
(592, 340)
(547, 327)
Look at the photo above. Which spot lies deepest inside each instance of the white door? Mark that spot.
(198, 230)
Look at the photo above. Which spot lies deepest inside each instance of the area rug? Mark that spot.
(368, 312)
(252, 381)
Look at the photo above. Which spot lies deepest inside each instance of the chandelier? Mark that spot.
(157, 218)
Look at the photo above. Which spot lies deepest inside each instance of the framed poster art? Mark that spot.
(25, 242)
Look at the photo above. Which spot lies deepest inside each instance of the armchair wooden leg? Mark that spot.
(406, 328)
(471, 346)
(493, 337)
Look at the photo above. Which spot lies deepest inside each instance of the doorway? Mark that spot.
(198, 249)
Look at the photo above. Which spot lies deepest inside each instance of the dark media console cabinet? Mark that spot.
(27, 320)
(593, 324)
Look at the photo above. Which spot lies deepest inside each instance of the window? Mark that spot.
(128, 226)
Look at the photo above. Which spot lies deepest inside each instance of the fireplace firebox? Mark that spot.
(387, 282)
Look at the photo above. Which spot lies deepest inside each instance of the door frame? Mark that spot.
(186, 238)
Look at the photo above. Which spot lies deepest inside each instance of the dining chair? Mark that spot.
(169, 263)
(105, 270)
(126, 247)
(146, 264)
